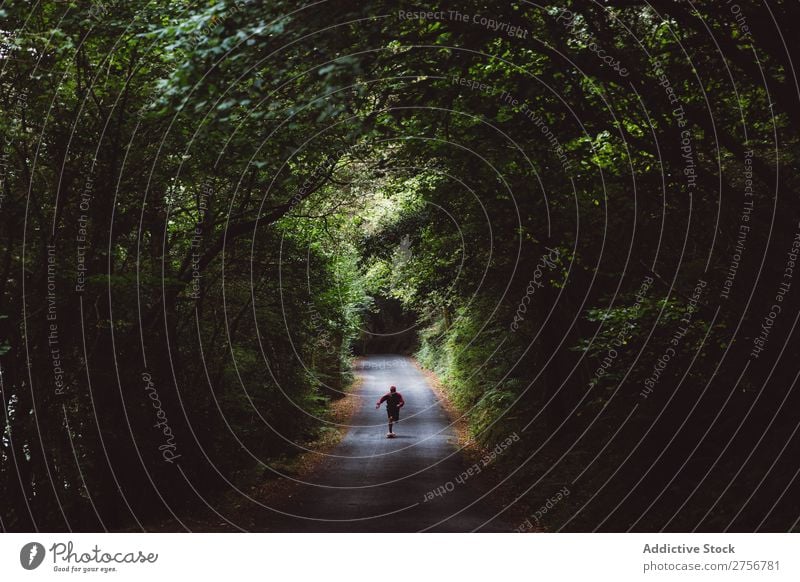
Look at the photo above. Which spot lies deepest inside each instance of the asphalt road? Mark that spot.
(374, 484)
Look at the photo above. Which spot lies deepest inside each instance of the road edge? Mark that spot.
(473, 451)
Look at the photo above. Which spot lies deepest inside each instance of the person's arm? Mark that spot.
(381, 401)
(402, 402)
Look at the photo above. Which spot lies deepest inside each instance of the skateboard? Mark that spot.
(390, 435)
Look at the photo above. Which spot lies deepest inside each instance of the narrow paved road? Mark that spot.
(375, 484)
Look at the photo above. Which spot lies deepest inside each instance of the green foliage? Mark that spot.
(247, 184)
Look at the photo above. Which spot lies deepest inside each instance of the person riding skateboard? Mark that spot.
(394, 402)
